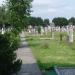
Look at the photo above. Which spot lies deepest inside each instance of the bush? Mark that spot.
(8, 62)
(39, 29)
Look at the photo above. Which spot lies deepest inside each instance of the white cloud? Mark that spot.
(53, 8)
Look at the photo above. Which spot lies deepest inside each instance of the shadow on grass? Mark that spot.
(33, 44)
(50, 66)
(72, 45)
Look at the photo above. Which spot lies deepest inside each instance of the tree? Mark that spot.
(3, 18)
(60, 21)
(33, 21)
(39, 21)
(2, 15)
(20, 11)
(36, 21)
(8, 62)
(72, 20)
(46, 22)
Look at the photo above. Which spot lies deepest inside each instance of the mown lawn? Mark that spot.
(52, 52)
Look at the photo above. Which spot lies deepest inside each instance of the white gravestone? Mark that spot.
(42, 30)
(71, 34)
(52, 30)
(46, 30)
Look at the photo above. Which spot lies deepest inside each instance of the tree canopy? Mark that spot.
(39, 21)
(72, 20)
(36, 21)
(33, 21)
(46, 22)
(60, 21)
(20, 11)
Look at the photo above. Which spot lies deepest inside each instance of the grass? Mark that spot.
(51, 72)
(52, 52)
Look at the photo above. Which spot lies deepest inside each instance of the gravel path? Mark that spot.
(29, 64)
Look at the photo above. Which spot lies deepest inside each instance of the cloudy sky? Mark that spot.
(52, 8)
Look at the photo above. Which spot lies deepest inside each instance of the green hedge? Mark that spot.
(8, 45)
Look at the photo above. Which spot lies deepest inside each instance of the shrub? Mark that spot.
(39, 29)
(8, 62)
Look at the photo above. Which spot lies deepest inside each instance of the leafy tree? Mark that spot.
(39, 29)
(2, 16)
(33, 21)
(8, 62)
(36, 21)
(39, 21)
(20, 11)
(46, 22)
(60, 21)
(72, 20)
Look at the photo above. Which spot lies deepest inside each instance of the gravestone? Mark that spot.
(42, 30)
(3, 29)
(29, 29)
(52, 30)
(70, 33)
(46, 30)
(49, 28)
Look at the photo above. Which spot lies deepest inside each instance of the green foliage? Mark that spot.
(55, 54)
(8, 62)
(20, 11)
(4, 16)
(72, 20)
(39, 21)
(46, 22)
(36, 21)
(39, 29)
(33, 21)
(60, 21)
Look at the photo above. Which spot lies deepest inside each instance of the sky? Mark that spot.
(52, 8)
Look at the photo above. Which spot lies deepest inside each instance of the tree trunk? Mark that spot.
(61, 34)
(52, 32)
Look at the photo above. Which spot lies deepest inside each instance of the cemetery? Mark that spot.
(32, 45)
(50, 51)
